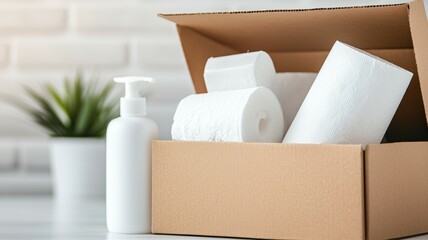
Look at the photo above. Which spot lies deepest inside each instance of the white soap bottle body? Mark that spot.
(129, 174)
(129, 161)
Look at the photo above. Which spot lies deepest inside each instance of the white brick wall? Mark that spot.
(33, 156)
(4, 54)
(119, 17)
(54, 54)
(44, 40)
(23, 18)
(160, 54)
(24, 166)
(7, 156)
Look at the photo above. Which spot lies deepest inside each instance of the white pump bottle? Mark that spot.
(129, 139)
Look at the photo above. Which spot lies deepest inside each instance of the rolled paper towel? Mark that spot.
(246, 115)
(291, 91)
(352, 100)
(245, 70)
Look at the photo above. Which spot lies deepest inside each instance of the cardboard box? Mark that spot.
(298, 191)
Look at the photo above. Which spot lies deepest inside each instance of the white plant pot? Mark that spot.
(78, 168)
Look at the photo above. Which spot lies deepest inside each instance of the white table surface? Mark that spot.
(41, 218)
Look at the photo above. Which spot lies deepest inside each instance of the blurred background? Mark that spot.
(45, 40)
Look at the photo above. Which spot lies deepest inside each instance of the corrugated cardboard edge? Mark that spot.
(396, 190)
(419, 29)
(166, 15)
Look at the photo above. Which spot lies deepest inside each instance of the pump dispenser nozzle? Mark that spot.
(136, 91)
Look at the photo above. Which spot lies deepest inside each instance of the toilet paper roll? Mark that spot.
(291, 91)
(352, 100)
(246, 115)
(245, 70)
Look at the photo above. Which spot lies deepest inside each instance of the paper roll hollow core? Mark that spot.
(245, 115)
(352, 101)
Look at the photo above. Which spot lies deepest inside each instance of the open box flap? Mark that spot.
(419, 28)
(299, 41)
(310, 33)
(303, 30)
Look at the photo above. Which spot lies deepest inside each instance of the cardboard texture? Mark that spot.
(227, 189)
(396, 189)
(297, 191)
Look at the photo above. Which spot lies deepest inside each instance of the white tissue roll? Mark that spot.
(352, 100)
(292, 90)
(246, 115)
(244, 70)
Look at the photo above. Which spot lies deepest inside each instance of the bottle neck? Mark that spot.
(133, 107)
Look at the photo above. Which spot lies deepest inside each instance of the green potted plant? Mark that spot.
(76, 117)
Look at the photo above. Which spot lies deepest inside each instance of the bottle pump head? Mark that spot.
(136, 91)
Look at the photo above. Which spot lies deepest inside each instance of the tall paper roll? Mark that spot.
(245, 70)
(246, 115)
(292, 88)
(352, 100)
